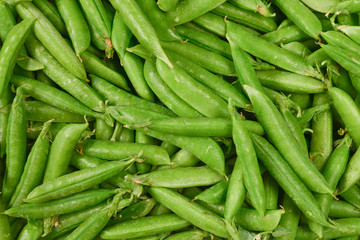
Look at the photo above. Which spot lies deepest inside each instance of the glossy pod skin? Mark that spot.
(51, 38)
(254, 5)
(31, 231)
(338, 39)
(10, 50)
(343, 209)
(190, 211)
(15, 147)
(4, 117)
(180, 177)
(290, 219)
(110, 150)
(167, 5)
(70, 204)
(285, 35)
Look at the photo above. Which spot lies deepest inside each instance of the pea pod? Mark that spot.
(167, 5)
(140, 26)
(320, 5)
(10, 50)
(350, 176)
(110, 150)
(75, 23)
(215, 194)
(31, 231)
(51, 38)
(352, 195)
(343, 209)
(254, 5)
(290, 219)
(340, 40)
(4, 226)
(70, 204)
(5, 100)
(16, 146)
(286, 34)
(120, 36)
(179, 177)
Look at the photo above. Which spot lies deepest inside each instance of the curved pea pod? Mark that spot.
(351, 174)
(167, 5)
(191, 234)
(288, 180)
(120, 36)
(334, 169)
(34, 167)
(285, 35)
(10, 50)
(5, 100)
(348, 111)
(186, 11)
(76, 181)
(352, 32)
(28, 63)
(61, 76)
(343, 209)
(94, 65)
(297, 48)
(190, 211)
(140, 26)
(338, 39)
(60, 152)
(32, 230)
(158, 21)
(246, 17)
(15, 146)
(110, 150)
(290, 219)
(349, 60)
(220, 86)
(209, 60)
(296, 11)
(251, 220)
(255, 6)
(195, 94)
(117, 96)
(290, 82)
(212, 23)
(75, 23)
(275, 127)
(323, 6)
(51, 38)
(52, 96)
(165, 94)
(214, 194)
(269, 52)
(201, 127)
(99, 24)
(352, 195)
(180, 177)
(310, 113)
(70, 204)
(346, 81)
(319, 58)
(5, 230)
(150, 225)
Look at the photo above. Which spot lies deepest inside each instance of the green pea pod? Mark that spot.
(212, 23)
(32, 230)
(290, 219)
(340, 40)
(28, 63)
(200, 127)
(348, 111)
(158, 21)
(75, 23)
(220, 86)
(140, 26)
(288, 180)
(246, 17)
(310, 113)
(4, 224)
(352, 32)
(321, 5)
(352, 195)
(52, 96)
(349, 60)
(297, 48)
(5, 100)
(133, 67)
(186, 11)
(319, 58)
(180, 177)
(94, 65)
(246, 171)
(10, 50)
(342, 80)
(34, 167)
(15, 146)
(343, 209)
(275, 127)
(271, 190)
(334, 169)
(190, 211)
(167, 5)
(191, 235)
(52, 40)
(165, 94)
(61, 149)
(132, 115)
(102, 130)
(207, 59)
(117, 96)
(290, 82)
(120, 36)
(184, 158)
(195, 94)
(295, 11)
(70, 204)
(61, 76)
(215, 194)
(350, 176)
(269, 52)
(255, 6)
(110, 150)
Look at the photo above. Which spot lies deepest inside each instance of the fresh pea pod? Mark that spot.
(10, 50)
(140, 26)
(290, 219)
(5, 100)
(180, 177)
(167, 5)
(120, 36)
(350, 176)
(34, 167)
(51, 38)
(255, 6)
(297, 48)
(212, 22)
(32, 230)
(321, 5)
(70, 204)
(352, 195)
(215, 194)
(75, 23)
(343, 209)
(319, 58)
(110, 150)
(352, 32)
(4, 223)
(340, 40)
(15, 146)
(269, 52)
(61, 149)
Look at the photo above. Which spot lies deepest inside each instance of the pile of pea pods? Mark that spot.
(180, 119)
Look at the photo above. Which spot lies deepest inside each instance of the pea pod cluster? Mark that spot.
(180, 119)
